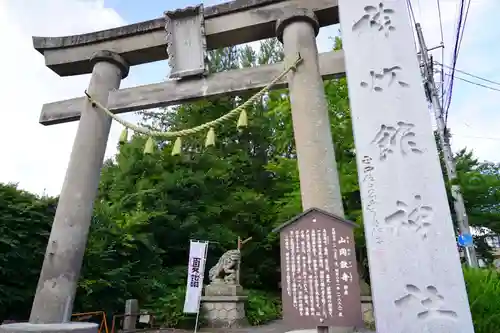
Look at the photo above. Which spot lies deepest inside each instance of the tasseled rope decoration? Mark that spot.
(124, 136)
(176, 151)
(242, 120)
(149, 147)
(210, 138)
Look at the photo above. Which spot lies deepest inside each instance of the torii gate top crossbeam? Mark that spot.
(227, 24)
(171, 92)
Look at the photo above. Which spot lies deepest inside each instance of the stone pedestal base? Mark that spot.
(224, 311)
(367, 311)
(223, 289)
(223, 306)
(49, 328)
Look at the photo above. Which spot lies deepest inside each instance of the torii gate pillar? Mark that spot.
(319, 181)
(57, 284)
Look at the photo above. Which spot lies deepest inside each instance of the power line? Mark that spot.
(456, 28)
(412, 13)
(477, 137)
(465, 22)
(476, 83)
(469, 74)
(412, 20)
(454, 58)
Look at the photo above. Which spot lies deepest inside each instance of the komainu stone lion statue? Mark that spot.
(226, 269)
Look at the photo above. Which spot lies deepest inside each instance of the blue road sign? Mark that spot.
(465, 240)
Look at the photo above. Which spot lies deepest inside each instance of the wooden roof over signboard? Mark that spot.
(310, 210)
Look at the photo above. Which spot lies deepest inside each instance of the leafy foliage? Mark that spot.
(480, 185)
(262, 307)
(483, 287)
(169, 309)
(24, 230)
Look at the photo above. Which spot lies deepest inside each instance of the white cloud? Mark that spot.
(34, 155)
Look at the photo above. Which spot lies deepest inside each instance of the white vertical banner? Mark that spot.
(196, 270)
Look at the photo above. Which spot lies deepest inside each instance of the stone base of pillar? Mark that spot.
(367, 311)
(224, 311)
(223, 306)
(49, 328)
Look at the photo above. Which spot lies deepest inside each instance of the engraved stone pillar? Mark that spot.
(416, 277)
(56, 288)
(319, 184)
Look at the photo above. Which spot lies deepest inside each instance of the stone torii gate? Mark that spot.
(417, 283)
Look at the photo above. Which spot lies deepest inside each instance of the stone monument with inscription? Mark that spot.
(223, 305)
(319, 277)
(416, 277)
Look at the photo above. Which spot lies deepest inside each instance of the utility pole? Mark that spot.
(458, 200)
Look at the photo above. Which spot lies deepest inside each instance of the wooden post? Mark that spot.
(57, 284)
(240, 245)
(243, 242)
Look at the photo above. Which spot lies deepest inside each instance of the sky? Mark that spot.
(36, 156)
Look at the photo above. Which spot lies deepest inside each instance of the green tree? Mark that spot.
(480, 185)
(25, 221)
